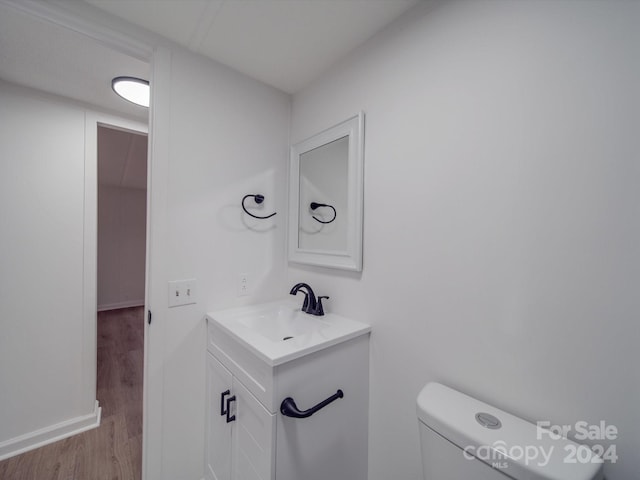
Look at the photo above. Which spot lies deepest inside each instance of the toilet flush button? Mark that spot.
(488, 421)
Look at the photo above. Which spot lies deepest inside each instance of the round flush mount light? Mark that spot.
(134, 90)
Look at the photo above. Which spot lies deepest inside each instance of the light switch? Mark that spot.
(182, 292)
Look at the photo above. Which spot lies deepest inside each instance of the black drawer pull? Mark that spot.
(288, 407)
(222, 403)
(232, 417)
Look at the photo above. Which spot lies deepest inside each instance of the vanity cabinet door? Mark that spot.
(219, 432)
(254, 438)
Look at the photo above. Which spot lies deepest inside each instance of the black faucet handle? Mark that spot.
(319, 311)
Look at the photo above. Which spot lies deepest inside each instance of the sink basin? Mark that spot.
(279, 331)
(281, 323)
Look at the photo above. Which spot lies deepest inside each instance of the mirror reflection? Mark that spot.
(323, 197)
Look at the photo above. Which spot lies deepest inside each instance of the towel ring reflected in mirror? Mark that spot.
(315, 205)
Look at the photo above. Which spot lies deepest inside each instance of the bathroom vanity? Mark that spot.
(268, 362)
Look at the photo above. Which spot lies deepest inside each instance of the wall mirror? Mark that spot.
(326, 196)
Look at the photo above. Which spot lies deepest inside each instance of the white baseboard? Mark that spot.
(44, 436)
(115, 306)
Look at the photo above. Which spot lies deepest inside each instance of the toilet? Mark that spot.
(465, 439)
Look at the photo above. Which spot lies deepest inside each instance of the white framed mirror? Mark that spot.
(326, 185)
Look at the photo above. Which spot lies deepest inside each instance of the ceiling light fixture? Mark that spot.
(134, 90)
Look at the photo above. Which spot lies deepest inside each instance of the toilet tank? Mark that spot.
(463, 438)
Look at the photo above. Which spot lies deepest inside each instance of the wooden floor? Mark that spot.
(112, 451)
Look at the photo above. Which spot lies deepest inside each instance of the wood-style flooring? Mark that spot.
(112, 451)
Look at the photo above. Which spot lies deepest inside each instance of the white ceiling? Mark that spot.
(285, 43)
(42, 55)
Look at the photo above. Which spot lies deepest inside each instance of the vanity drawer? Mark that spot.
(254, 374)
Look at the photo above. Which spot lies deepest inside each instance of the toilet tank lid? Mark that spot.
(528, 451)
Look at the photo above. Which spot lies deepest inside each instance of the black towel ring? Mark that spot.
(315, 205)
(258, 199)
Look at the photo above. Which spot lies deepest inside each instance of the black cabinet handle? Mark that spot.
(232, 417)
(288, 407)
(222, 403)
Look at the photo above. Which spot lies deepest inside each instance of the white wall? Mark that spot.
(501, 214)
(122, 226)
(217, 136)
(43, 344)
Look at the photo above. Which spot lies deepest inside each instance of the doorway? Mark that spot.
(121, 268)
(122, 217)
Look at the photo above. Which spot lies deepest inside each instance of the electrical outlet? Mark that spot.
(182, 292)
(244, 287)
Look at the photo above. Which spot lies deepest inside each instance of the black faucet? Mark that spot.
(310, 305)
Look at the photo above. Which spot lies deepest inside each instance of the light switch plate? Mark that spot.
(182, 292)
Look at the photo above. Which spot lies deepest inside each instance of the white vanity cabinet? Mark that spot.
(248, 438)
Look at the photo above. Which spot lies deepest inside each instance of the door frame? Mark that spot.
(93, 120)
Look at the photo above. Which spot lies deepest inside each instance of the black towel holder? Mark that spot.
(315, 205)
(288, 407)
(258, 199)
